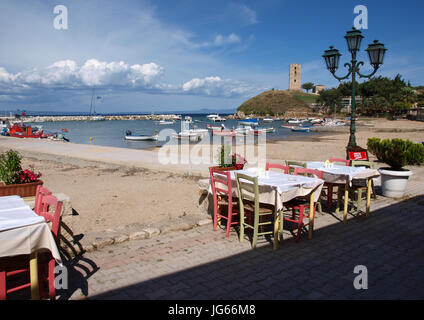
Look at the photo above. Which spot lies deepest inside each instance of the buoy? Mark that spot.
(91, 138)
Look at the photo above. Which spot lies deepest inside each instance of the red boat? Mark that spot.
(23, 131)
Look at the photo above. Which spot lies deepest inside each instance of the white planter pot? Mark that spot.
(394, 183)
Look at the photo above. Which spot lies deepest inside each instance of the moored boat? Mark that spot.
(301, 129)
(141, 137)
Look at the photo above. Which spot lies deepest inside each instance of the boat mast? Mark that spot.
(93, 103)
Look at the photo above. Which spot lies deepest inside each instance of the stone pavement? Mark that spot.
(202, 264)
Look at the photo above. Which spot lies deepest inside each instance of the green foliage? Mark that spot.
(400, 108)
(225, 159)
(308, 86)
(10, 167)
(397, 153)
(331, 98)
(277, 102)
(420, 104)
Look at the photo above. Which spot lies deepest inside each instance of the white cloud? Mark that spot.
(66, 74)
(245, 14)
(92, 73)
(215, 86)
(222, 40)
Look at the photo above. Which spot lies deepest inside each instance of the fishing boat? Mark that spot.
(244, 130)
(268, 120)
(141, 137)
(294, 121)
(187, 135)
(25, 131)
(301, 129)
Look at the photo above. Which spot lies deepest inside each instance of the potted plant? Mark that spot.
(397, 153)
(13, 179)
(229, 162)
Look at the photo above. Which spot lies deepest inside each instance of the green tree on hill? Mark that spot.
(331, 98)
(308, 86)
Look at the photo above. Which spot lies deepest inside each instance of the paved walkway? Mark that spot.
(202, 264)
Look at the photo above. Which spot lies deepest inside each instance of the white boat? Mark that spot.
(264, 130)
(224, 133)
(244, 131)
(141, 137)
(268, 120)
(93, 115)
(293, 121)
(188, 119)
(301, 129)
(97, 118)
(215, 118)
(165, 122)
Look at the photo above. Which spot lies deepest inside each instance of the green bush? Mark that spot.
(397, 153)
(10, 167)
(224, 156)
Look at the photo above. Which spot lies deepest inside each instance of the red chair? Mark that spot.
(300, 206)
(344, 162)
(330, 186)
(40, 193)
(16, 269)
(223, 196)
(277, 166)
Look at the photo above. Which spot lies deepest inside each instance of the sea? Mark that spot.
(112, 133)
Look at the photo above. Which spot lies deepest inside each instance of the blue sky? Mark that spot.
(186, 54)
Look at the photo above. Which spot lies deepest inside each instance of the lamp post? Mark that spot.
(376, 52)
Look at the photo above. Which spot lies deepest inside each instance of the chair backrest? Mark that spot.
(309, 172)
(345, 162)
(277, 166)
(47, 203)
(295, 164)
(220, 180)
(40, 193)
(248, 190)
(368, 164)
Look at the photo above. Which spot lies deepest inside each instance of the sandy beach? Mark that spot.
(111, 187)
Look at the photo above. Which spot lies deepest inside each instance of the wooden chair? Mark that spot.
(14, 271)
(223, 196)
(40, 193)
(286, 169)
(295, 164)
(330, 186)
(263, 215)
(359, 187)
(300, 206)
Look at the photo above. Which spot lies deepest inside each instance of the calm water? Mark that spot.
(112, 133)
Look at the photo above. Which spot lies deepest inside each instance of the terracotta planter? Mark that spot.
(22, 190)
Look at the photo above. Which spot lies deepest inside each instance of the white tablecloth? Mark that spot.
(276, 187)
(339, 174)
(22, 231)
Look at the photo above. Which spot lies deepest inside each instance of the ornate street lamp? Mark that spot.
(376, 52)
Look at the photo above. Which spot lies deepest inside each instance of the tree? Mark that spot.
(331, 98)
(308, 86)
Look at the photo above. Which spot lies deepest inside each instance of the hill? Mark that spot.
(279, 102)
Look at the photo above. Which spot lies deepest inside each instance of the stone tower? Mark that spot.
(295, 77)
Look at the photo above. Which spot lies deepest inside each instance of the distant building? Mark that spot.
(295, 77)
(318, 88)
(347, 103)
(416, 114)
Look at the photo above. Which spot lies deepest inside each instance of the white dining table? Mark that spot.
(276, 188)
(23, 232)
(346, 175)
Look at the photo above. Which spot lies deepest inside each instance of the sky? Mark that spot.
(188, 55)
